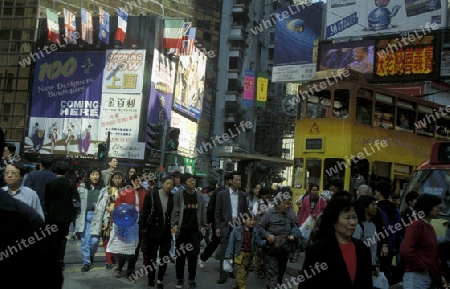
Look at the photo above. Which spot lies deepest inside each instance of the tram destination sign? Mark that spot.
(314, 144)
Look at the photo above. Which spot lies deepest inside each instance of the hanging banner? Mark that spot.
(190, 84)
(124, 71)
(65, 104)
(161, 91)
(249, 87)
(261, 92)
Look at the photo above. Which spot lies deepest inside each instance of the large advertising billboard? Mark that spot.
(350, 18)
(356, 55)
(400, 56)
(297, 34)
(66, 104)
(190, 84)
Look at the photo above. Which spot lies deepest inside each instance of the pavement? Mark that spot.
(99, 277)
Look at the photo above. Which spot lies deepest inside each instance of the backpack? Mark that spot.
(394, 239)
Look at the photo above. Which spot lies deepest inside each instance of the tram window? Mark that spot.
(318, 104)
(364, 110)
(405, 120)
(443, 127)
(333, 169)
(383, 115)
(340, 106)
(425, 124)
(365, 93)
(298, 172)
(313, 170)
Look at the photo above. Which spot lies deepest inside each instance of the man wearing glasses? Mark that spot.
(188, 217)
(13, 178)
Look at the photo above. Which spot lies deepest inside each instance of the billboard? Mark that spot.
(400, 56)
(350, 18)
(356, 55)
(249, 87)
(297, 33)
(124, 71)
(161, 90)
(66, 104)
(190, 84)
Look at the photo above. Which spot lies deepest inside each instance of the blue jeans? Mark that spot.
(89, 243)
(416, 280)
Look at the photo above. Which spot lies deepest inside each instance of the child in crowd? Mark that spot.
(244, 240)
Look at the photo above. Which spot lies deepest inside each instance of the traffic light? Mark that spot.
(173, 141)
(102, 151)
(155, 135)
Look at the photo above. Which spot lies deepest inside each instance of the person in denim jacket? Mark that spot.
(243, 242)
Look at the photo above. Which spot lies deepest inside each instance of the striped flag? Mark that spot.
(87, 29)
(103, 31)
(70, 27)
(52, 26)
(188, 44)
(121, 31)
(173, 33)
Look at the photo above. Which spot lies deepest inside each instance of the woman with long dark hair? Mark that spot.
(93, 217)
(336, 258)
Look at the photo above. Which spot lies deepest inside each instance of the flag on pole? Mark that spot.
(188, 44)
(121, 31)
(173, 33)
(87, 29)
(52, 26)
(70, 27)
(103, 31)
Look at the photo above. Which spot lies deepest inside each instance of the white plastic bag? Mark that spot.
(380, 282)
(306, 227)
(227, 267)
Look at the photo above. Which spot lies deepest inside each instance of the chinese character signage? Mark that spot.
(405, 56)
(249, 87)
(261, 89)
(124, 71)
(66, 103)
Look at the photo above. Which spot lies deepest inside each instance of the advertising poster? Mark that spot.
(120, 117)
(297, 33)
(397, 57)
(347, 18)
(66, 104)
(161, 91)
(261, 91)
(124, 71)
(249, 87)
(356, 55)
(190, 84)
(188, 133)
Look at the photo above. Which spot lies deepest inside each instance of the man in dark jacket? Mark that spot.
(59, 194)
(231, 204)
(37, 180)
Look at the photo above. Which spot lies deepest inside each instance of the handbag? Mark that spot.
(227, 267)
(380, 282)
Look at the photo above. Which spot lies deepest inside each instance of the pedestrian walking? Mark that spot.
(59, 196)
(93, 218)
(281, 231)
(155, 222)
(336, 258)
(231, 204)
(188, 217)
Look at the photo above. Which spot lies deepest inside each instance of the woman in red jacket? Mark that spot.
(313, 204)
(420, 249)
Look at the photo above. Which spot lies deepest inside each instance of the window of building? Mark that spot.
(271, 52)
(233, 63)
(313, 171)
(405, 116)
(298, 172)
(9, 82)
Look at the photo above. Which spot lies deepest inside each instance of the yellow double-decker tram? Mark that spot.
(345, 123)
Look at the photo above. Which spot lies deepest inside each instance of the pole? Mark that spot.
(163, 143)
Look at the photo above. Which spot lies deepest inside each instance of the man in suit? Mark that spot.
(231, 204)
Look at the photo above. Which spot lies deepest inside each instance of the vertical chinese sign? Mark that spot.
(123, 78)
(65, 104)
(261, 89)
(249, 87)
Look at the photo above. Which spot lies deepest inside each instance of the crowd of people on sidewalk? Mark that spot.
(353, 239)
